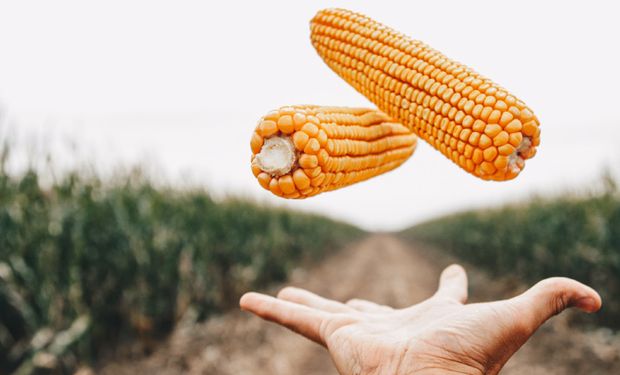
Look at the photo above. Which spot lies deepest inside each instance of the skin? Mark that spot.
(441, 335)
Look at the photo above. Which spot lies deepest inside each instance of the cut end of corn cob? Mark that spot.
(277, 156)
(301, 151)
(467, 117)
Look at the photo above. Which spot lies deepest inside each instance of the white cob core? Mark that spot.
(277, 156)
(516, 161)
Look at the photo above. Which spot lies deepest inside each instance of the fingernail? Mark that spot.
(452, 270)
(585, 303)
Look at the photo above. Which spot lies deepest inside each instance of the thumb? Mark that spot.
(551, 296)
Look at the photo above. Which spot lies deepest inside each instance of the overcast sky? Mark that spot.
(179, 85)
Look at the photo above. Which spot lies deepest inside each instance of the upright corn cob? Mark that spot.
(470, 119)
(301, 151)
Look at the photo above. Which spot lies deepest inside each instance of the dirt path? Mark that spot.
(381, 268)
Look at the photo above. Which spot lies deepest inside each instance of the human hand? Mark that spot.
(441, 335)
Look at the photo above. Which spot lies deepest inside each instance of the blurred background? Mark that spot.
(130, 222)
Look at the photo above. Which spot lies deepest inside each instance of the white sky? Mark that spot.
(181, 84)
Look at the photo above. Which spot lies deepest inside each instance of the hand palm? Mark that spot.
(439, 335)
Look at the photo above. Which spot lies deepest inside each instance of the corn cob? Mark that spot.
(301, 151)
(471, 120)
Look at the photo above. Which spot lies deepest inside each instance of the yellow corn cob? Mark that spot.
(471, 120)
(301, 151)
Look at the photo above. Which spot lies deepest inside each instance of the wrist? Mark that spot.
(434, 365)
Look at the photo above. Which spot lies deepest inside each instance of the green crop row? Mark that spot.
(576, 236)
(86, 262)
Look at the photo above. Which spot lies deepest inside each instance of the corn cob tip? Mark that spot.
(516, 160)
(277, 156)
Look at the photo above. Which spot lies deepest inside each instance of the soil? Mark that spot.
(381, 268)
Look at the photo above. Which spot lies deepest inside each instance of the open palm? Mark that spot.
(439, 335)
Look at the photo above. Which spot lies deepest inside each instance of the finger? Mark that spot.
(367, 306)
(304, 297)
(550, 297)
(301, 319)
(453, 283)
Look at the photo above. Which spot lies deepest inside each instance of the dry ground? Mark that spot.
(381, 268)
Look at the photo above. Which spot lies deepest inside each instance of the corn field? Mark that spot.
(87, 262)
(576, 235)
